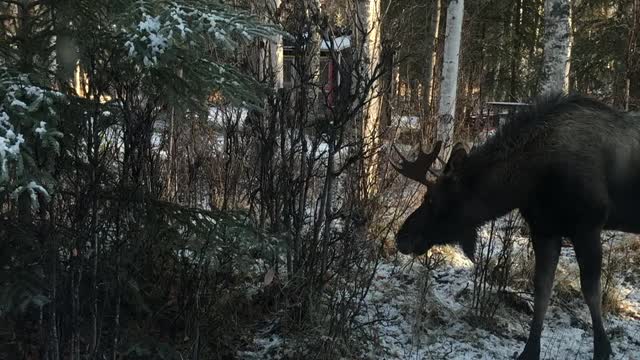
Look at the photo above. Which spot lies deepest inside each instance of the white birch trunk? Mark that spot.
(276, 53)
(449, 83)
(368, 13)
(431, 42)
(369, 20)
(557, 46)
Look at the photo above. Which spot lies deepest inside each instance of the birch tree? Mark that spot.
(431, 42)
(368, 24)
(557, 46)
(276, 52)
(632, 61)
(449, 83)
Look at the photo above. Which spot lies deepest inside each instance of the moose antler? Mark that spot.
(417, 169)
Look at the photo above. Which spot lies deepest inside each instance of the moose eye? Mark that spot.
(427, 200)
(431, 204)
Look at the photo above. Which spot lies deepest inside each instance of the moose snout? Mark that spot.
(404, 244)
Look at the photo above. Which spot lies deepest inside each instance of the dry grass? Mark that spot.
(621, 257)
(633, 246)
(567, 289)
(450, 254)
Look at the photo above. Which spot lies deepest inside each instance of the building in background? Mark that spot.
(334, 53)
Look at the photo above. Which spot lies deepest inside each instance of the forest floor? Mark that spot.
(404, 323)
(448, 331)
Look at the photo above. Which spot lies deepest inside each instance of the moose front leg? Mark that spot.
(589, 255)
(547, 252)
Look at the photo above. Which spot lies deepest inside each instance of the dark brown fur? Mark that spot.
(571, 165)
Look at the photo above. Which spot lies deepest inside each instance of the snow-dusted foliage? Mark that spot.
(180, 25)
(28, 137)
(180, 34)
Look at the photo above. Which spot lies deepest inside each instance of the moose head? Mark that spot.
(441, 218)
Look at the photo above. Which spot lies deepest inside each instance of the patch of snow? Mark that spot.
(220, 116)
(339, 43)
(149, 24)
(42, 129)
(18, 103)
(157, 43)
(448, 333)
(11, 142)
(406, 121)
(33, 188)
(131, 46)
(266, 346)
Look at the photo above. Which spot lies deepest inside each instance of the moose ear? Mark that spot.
(457, 157)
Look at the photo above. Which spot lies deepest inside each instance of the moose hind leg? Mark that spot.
(547, 252)
(589, 255)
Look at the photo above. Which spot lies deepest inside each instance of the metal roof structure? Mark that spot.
(506, 103)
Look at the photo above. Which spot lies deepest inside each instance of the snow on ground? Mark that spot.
(447, 330)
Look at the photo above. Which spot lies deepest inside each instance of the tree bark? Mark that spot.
(276, 53)
(536, 8)
(557, 47)
(449, 85)
(632, 63)
(54, 339)
(432, 38)
(369, 28)
(515, 58)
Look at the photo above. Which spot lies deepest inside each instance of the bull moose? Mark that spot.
(571, 166)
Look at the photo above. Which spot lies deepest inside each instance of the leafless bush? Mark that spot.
(298, 168)
(616, 261)
(494, 262)
(430, 262)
